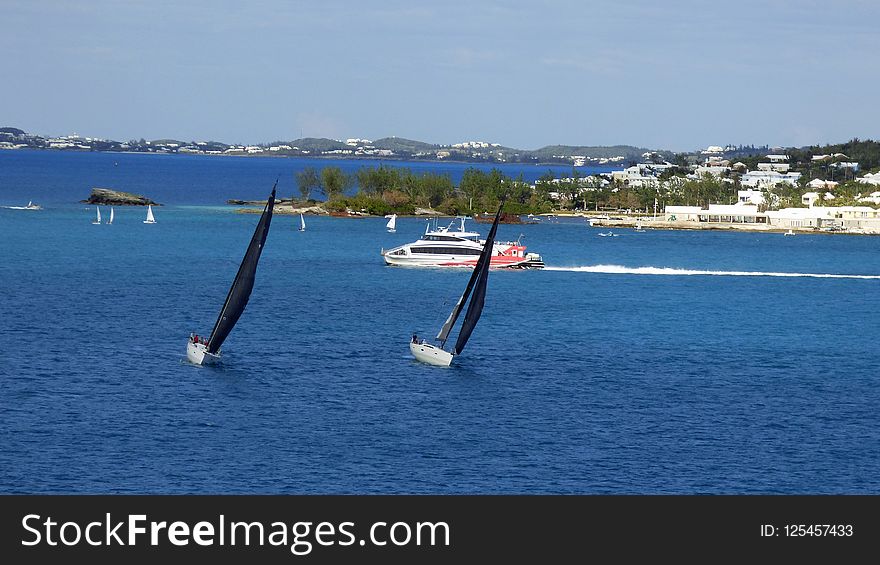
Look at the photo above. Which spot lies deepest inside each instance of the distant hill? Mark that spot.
(13, 131)
(318, 144)
(628, 152)
(400, 145)
(865, 152)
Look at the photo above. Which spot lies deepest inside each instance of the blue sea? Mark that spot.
(655, 362)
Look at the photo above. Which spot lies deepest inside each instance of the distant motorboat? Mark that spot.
(789, 232)
(150, 219)
(392, 223)
(608, 234)
(97, 220)
(448, 247)
(30, 206)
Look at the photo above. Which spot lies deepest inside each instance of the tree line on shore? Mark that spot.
(385, 190)
(391, 190)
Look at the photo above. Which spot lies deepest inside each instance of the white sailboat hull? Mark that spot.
(197, 353)
(430, 354)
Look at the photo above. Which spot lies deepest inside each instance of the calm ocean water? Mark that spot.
(656, 362)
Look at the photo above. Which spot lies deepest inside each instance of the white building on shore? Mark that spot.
(716, 213)
(854, 219)
(713, 166)
(873, 179)
(758, 179)
(810, 198)
(873, 198)
(755, 197)
(641, 175)
(778, 163)
(819, 184)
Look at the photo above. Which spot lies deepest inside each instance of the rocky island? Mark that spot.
(110, 197)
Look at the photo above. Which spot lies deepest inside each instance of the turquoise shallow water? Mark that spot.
(622, 368)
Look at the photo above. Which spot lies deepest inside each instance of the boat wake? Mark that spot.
(621, 270)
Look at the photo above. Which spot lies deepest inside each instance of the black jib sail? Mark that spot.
(240, 291)
(478, 279)
(481, 271)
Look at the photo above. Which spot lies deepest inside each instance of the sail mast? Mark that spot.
(240, 291)
(482, 265)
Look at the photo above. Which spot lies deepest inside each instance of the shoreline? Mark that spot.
(648, 224)
(267, 155)
(598, 221)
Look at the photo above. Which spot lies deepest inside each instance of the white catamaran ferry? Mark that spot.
(448, 247)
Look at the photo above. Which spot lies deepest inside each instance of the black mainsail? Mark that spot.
(240, 291)
(476, 284)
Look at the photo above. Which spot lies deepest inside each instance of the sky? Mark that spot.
(676, 75)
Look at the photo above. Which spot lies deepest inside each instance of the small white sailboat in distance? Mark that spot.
(97, 220)
(206, 351)
(302, 223)
(434, 355)
(150, 219)
(392, 223)
(110, 221)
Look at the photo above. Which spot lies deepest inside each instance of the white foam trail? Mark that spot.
(621, 270)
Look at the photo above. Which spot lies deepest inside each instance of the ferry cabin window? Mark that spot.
(442, 238)
(445, 250)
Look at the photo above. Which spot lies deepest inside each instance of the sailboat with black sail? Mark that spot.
(205, 351)
(476, 290)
